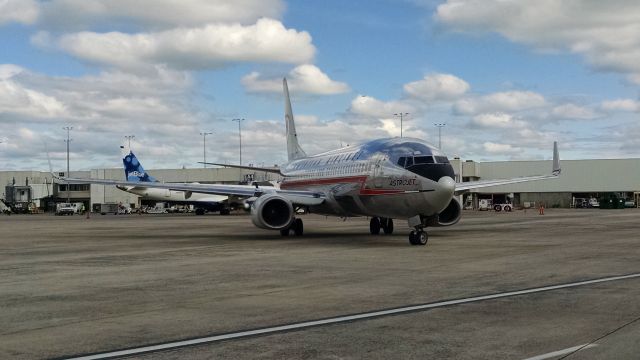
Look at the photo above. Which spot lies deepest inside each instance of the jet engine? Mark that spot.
(272, 212)
(451, 214)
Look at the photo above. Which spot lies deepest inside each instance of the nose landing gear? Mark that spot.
(418, 237)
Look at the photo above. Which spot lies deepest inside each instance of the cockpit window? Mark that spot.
(409, 161)
(423, 160)
(442, 160)
(406, 161)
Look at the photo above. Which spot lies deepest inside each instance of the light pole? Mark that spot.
(239, 137)
(204, 147)
(68, 128)
(129, 137)
(401, 115)
(440, 126)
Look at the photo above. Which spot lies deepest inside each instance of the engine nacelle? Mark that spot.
(451, 214)
(272, 212)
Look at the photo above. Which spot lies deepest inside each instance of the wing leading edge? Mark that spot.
(555, 173)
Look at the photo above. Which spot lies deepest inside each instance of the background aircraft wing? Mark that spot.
(555, 172)
(265, 169)
(462, 187)
(297, 197)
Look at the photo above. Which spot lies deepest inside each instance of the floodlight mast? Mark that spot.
(68, 128)
(440, 126)
(204, 147)
(401, 115)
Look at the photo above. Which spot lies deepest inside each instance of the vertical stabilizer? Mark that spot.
(133, 170)
(294, 151)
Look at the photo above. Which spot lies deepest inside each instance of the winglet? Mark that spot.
(556, 160)
(294, 151)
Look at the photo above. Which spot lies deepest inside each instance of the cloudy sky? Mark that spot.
(506, 77)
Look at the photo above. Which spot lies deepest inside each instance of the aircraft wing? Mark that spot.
(306, 198)
(555, 173)
(265, 169)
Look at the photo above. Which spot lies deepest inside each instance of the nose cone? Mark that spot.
(442, 194)
(447, 185)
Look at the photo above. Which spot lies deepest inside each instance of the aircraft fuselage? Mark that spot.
(393, 178)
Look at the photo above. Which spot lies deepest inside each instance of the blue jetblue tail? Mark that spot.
(133, 170)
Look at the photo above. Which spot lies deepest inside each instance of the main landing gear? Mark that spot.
(381, 223)
(416, 237)
(296, 228)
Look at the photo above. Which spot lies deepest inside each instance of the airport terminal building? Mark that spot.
(580, 179)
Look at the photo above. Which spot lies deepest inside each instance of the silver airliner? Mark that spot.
(384, 179)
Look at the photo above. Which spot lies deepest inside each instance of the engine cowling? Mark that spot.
(451, 214)
(272, 212)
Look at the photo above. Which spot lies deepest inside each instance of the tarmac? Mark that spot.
(72, 286)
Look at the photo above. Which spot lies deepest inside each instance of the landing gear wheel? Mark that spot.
(374, 226)
(387, 226)
(225, 211)
(297, 227)
(418, 237)
(412, 238)
(199, 211)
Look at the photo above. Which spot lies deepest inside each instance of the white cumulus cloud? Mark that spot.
(573, 111)
(20, 11)
(372, 107)
(18, 99)
(497, 120)
(621, 105)
(437, 87)
(606, 34)
(499, 102)
(83, 14)
(501, 149)
(304, 78)
(203, 47)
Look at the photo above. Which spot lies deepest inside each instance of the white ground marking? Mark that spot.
(562, 352)
(340, 319)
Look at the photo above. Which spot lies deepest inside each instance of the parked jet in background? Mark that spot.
(134, 173)
(385, 179)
